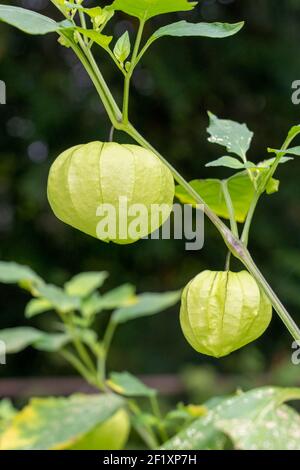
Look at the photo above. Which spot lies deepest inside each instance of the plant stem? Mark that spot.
(277, 304)
(156, 411)
(131, 70)
(230, 208)
(108, 336)
(76, 363)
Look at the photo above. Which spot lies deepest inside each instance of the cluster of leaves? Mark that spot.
(34, 23)
(243, 185)
(254, 420)
(77, 304)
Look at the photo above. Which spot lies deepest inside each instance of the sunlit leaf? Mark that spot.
(52, 342)
(145, 9)
(100, 39)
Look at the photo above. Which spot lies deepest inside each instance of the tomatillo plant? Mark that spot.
(82, 29)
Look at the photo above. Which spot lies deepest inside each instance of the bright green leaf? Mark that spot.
(84, 284)
(19, 338)
(36, 307)
(240, 188)
(56, 423)
(128, 385)
(122, 48)
(146, 304)
(232, 135)
(272, 186)
(145, 9)
(100, 39)
(28, 21)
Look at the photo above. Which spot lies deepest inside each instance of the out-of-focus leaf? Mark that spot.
(56, 423)
(58, 298)
(52, 342)
(36, 307)
(146, 304)
(13, 273)
(19, 338)
(128, 385)
(146, 9)
(251, 421)
(83, 284)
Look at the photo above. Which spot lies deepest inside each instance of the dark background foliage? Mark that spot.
(51, 105)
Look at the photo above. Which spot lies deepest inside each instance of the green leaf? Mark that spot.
(146, 304)
(210, 30)
(118, 297)
(240, 188)
(270, 161)
(128, 385)
(291, 151)
(229, 162)
(28, 21)
(84, 284)
(232, 135)
(250, 419)
(58, 298)
(100, 39)
(36, 307)
(17, 339)
(272, 186)
(146, 9)
(39, 425)
(52, 342)
(13, 273)
(122, 48)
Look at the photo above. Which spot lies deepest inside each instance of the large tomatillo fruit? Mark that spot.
(90, 183)
(223, 311)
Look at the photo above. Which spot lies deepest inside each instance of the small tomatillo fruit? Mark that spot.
(223, 311)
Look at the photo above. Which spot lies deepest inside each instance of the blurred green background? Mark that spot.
(51, 105)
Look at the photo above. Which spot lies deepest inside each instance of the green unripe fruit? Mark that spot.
(111, 435)
(223, 311)
(85, 179)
